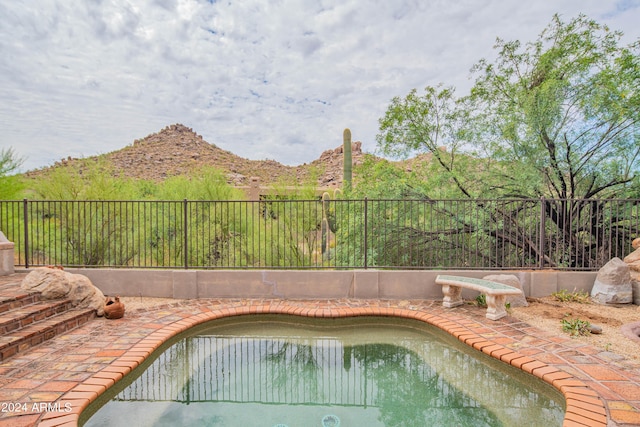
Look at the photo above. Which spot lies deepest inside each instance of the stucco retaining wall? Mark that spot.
(312, 284)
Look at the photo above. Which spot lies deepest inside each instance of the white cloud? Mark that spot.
(264, 79)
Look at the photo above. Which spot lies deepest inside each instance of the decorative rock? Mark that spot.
(632, 331)
(595, 329)
(613, 284)
(84, 294)
(48, 281)
(635, 288)
(633, 260)
(633, 256)
(510, 280)
(635, 266)
(54, 283)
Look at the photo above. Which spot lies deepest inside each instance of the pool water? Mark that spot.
(286, 371)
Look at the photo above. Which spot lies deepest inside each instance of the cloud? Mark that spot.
(278, 79)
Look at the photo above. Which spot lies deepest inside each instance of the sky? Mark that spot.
(270, 79)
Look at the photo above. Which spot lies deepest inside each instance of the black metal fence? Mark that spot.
(295, 234)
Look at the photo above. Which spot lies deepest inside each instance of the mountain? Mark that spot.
(177, 150)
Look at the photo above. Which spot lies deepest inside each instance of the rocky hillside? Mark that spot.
(177, 149)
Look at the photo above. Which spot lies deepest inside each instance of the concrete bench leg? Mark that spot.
(496, 306)
(452, 296)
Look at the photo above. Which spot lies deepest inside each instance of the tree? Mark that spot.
(558, 118)
(9, 161)
(10, 185)
(567, 107)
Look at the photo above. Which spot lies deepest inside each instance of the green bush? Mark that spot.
(576, 327)
(563, 295)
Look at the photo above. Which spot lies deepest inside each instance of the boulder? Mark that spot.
(635, 266)
(50, 282)
(632, 331)
(635, 287)
(633, 260)
(55, 283)
(613, 284)
(510, 280)
(82, 293)
(633, 256)
(636, 292)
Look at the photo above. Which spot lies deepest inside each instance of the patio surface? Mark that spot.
(71, 370)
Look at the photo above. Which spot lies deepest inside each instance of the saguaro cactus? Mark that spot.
(325, 222)
(347, 162)
(328, 225)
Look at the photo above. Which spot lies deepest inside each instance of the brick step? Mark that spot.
(25, 315)
(23, 339)
(12, 297)
(27, 320)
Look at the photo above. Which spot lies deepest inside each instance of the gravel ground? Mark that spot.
(547, 314)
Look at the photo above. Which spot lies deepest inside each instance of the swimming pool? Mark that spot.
(279, 370)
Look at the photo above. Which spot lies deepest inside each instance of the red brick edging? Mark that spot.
(584, 406)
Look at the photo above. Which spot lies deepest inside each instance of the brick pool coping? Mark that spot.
(72, 370)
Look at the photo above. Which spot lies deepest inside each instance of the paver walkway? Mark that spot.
(51, 384)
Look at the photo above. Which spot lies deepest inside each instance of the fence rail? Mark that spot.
(317, 234)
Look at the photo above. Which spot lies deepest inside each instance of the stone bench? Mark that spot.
(496, 293)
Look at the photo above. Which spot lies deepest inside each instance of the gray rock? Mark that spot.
(633, 260)
(613, 284)
(635, 288)
(632, 331)
(510, 280)
(51, 282)
(55, 283)
(595, 329)
(84, 295)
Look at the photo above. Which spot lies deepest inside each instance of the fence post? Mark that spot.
(25, 213)
(541, 243)
(185, 234)
(366, 232)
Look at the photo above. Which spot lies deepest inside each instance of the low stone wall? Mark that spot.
(312, 284)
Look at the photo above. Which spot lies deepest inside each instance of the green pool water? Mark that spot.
(280, 371)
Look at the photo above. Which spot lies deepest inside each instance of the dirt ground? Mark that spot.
(547, 314)
(544, 313)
